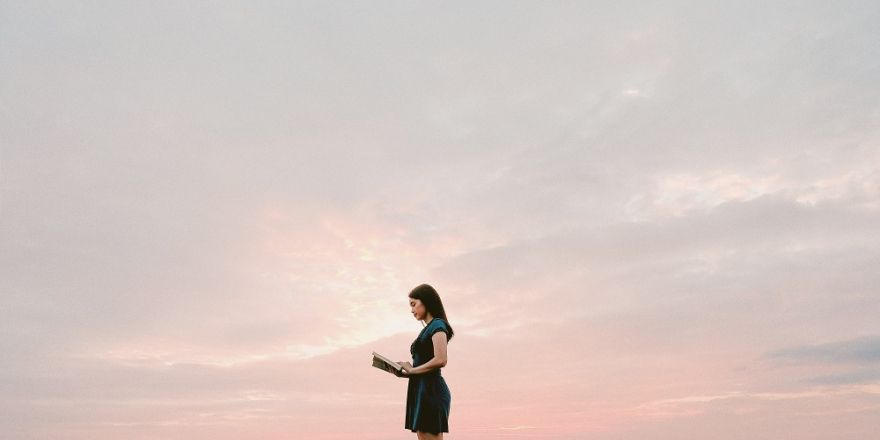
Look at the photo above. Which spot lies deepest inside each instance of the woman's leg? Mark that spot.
(429, 436)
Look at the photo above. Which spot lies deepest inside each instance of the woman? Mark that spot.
(427, 397)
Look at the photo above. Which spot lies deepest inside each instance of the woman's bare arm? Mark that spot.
(439, 359)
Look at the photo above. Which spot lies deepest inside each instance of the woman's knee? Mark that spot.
(429, 436)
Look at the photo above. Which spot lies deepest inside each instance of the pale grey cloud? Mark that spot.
(862, 350)
(866, 376)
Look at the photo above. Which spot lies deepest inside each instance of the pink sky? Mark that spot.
(645, 223)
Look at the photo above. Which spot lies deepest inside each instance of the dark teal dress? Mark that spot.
(427, 397)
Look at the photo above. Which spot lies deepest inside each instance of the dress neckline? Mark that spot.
(427, 325)
(432, 321)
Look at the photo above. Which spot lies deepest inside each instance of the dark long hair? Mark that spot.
(431, 299)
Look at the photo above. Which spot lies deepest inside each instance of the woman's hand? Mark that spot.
(407, 367)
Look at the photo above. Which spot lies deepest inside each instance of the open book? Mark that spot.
(383, 363)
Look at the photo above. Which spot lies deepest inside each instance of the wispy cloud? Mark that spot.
(862, 350)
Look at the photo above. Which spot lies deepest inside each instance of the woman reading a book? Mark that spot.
(427, 397)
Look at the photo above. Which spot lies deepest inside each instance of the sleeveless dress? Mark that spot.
(427, 396)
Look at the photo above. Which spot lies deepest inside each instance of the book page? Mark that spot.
(382, 363)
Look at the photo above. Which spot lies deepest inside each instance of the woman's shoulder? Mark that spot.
(439, 322)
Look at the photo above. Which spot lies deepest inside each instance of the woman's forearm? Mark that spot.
(432, 364)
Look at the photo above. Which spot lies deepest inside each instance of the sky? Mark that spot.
(646, 221)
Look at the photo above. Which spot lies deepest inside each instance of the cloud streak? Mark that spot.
(863, 350)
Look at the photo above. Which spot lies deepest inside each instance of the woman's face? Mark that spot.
(417, 308)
